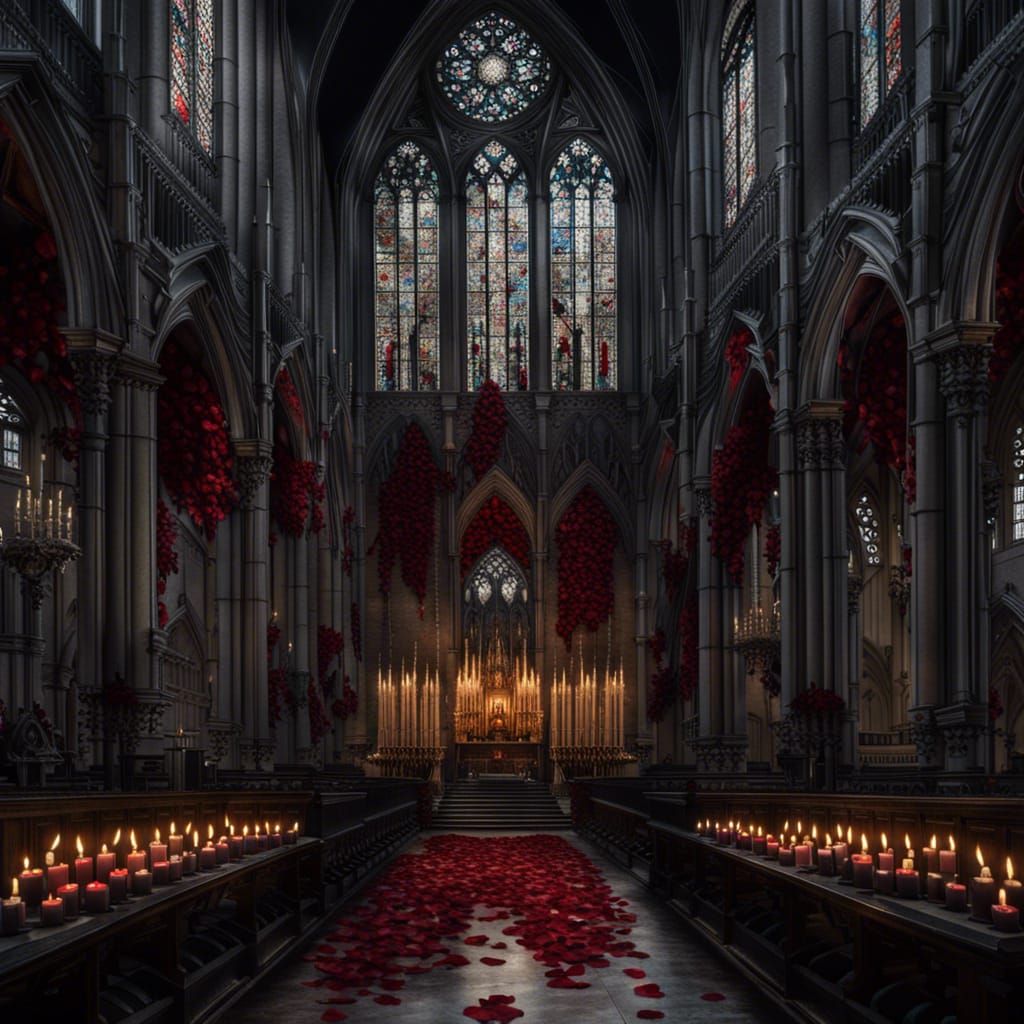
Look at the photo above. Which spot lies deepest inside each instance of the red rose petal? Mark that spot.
(634, 972)
(330, 1015)
(388, 1000)
(712, 997)
(476, 940)
(491, 961)
(649, 1015)
(650, 991)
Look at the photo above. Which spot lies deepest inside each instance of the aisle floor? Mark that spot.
(684, 968)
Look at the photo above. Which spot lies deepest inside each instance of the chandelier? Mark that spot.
(756, 634)
(42, 539)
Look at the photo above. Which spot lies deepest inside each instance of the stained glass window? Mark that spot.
(192, 55)
(497, 270)
(881, 60)
(494, 70)
(739, 110)
(583, 271)
(867, 523)
(12, 428)
(405, 232)
(75, 7)
(1018, 484)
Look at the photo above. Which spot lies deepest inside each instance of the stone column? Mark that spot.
(299, 660)
(963, 352)
(851, 718)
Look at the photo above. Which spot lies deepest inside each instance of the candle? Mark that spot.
(886, 859)
(97, 898)
(772, 848)
(276, 839)
(51, 913)
(236, 844)
(1005, 917)
(83, 864)
(292, 835)
(721, 835)
(223, 851)
(931, 856)
(142, 882)
(157, 849)
(956, 896)
(177, 868)
(105, 861)
(863, 867)
(250, 844)
(947, 859)
(840, 851)
(743, 841)
(12, 912)
(803, 855)
(118, 883)
(190, 861)
(827, 858)
(787, 856)
(69, 894)
(137, 858)
(56, 874)
(262, 840)
(983, 892)
(161, 872)
(908, 884)
(935, 886)
(175, 843)
(32, 886)
(758, 845)
(1014, 890)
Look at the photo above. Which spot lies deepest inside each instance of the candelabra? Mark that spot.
(41, 542)
(756, 635)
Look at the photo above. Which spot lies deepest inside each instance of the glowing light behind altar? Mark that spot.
(473, 713)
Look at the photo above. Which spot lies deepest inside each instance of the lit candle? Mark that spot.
(840, 851)
(106, 861)
(787, 857)
(758, 845)
(12, 912)
(175, 842)
(157, 849)
(161, 872)
(51, 913)
(250, 844)
(935, 886)
(802, 853)
(956, 897)
(97, 898)
(223, 850)
(32, 885)
(118, 883)
(177, 868)
(291, 837)
(142, 882)
(771, 848)
(743, 840)
(863, 867)
(263, 838)
(276, 839)
(236, 844)
(83, 864)
(69, 894)
(1005, 917)
(137, 858)
(931, 856)
(886, 859)
(827, 858)
(983, 892)
(56, 874)
(191, 857)
(947, 859)
(1014, 890)
(721, 835)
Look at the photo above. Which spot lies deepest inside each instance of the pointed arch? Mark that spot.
(739, 109)
(496, 483)
(587, 474)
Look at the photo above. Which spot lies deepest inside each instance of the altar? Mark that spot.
(484, 757)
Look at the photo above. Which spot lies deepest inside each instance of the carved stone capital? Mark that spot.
(93, 370)
(720, 753)
(925, 736)
(253, 463)
(963, 380)
(702, 500)
(991, 489)
(854, 586)
(819, 436)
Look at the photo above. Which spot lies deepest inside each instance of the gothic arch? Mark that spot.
(587, 474)
(496, 482)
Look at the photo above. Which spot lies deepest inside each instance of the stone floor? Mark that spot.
(683, 966)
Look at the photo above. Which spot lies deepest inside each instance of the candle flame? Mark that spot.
(1002, 897)
(231, 829)
(1009, 868)
(952, 843)
(131, 839)
(849, 835)
(731, 826)
(760, 831)
(79, 847)
(174, 830)
(195, 839)
(981, 860)
(14, 888)
(277, 828)
(800, 827)
(245, 830)
(188, 828)
(828, 838)
(295, 827)
(103, 848)
(227, 823)
(209, 832)
(814, 832)
(117, 837)
(885, 841)
(785, 827)
(906, 840)
(935, 842)
(266, 826)
(26, 863)
(257, 829)
(56, 843)
(156, 832)
(863, 842)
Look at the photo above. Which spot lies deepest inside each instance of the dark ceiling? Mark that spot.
(374, 30)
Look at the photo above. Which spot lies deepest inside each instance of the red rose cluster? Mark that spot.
(347, 550)
(995, 704)
(347, 704)
(773, 548)
(816, 701)
(296, 495)
(490, 421)
(689, 640)
(1009, 339)
(166, 556)
(356, 628)
(406, 513)
(737, 358)
(586, 538)
(193, 446)
(495, 524)
(674, 565)
(330, 643)
(319, 720)
(741, 481)
(289, 395)
(661, 690)
(279, 695)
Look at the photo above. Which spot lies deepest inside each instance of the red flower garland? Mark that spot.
(661, 689)
(586, 538)
(347, 704)
(166, 556)
(347, 549)
(319, 720)
(816, 701)
(689, 641)
(737, 357)
(289, 395)
(356, 628)
(194, 448)
(406, 515)
(279, 695)
(773, 548)
(296, 495)
(675, 562)
(330, 643)
(741, 481)
(490, 421)
(494, 524)
(995, 704)
(1009, 339)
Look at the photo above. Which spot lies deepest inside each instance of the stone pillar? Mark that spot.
(299, 660)
(963, 352)
(851, 718)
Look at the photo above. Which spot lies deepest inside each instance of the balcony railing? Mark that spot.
(190, 158)
(895, 111)
(285, 326)
(984, 22)
(48, 28)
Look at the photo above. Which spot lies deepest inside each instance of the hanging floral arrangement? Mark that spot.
(816, 701)
(296, 493)
(661, 690)
(330, 643)
(193, 445)
(773, 548)
(1009, 339)
(279, 695)
(495, 524)
(995, 704)
(585, 537)
(356, 630)
(347, 549)
(319, 720)
(289, 396)
(741, 481)
(166, 555)
(490, 421)
(347, 704)
(406, 514)
(737, 357)
(675, 562)
(689, 654)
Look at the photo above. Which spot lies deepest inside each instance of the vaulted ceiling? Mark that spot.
(344, 47)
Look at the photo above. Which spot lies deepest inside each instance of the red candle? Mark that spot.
(223, 851)
(106, 861)
(931, 857)
(772, 847)
(161, 872)
(863, 871)
(97, 898)
(956, 896)
(236, 844)
(207, 858)
(1005, 917)
(190, 861)
(175, 843)
(176, 868)
(157, 850)
(827, 861)
(69, 894)
(262, 840)
(908, 884)
(291, 837)
(886, 859)
(787, 857)
(947, 859)
(142, 882)
(12, 912)
(758, 844)
(802, 853)
(1014, 890)
(32, 885)
(83, 864)
(935, 887)
(56, 876)
(137, 858)
(275, 838)
(51, 913)
(249, 843)
(118, 884)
